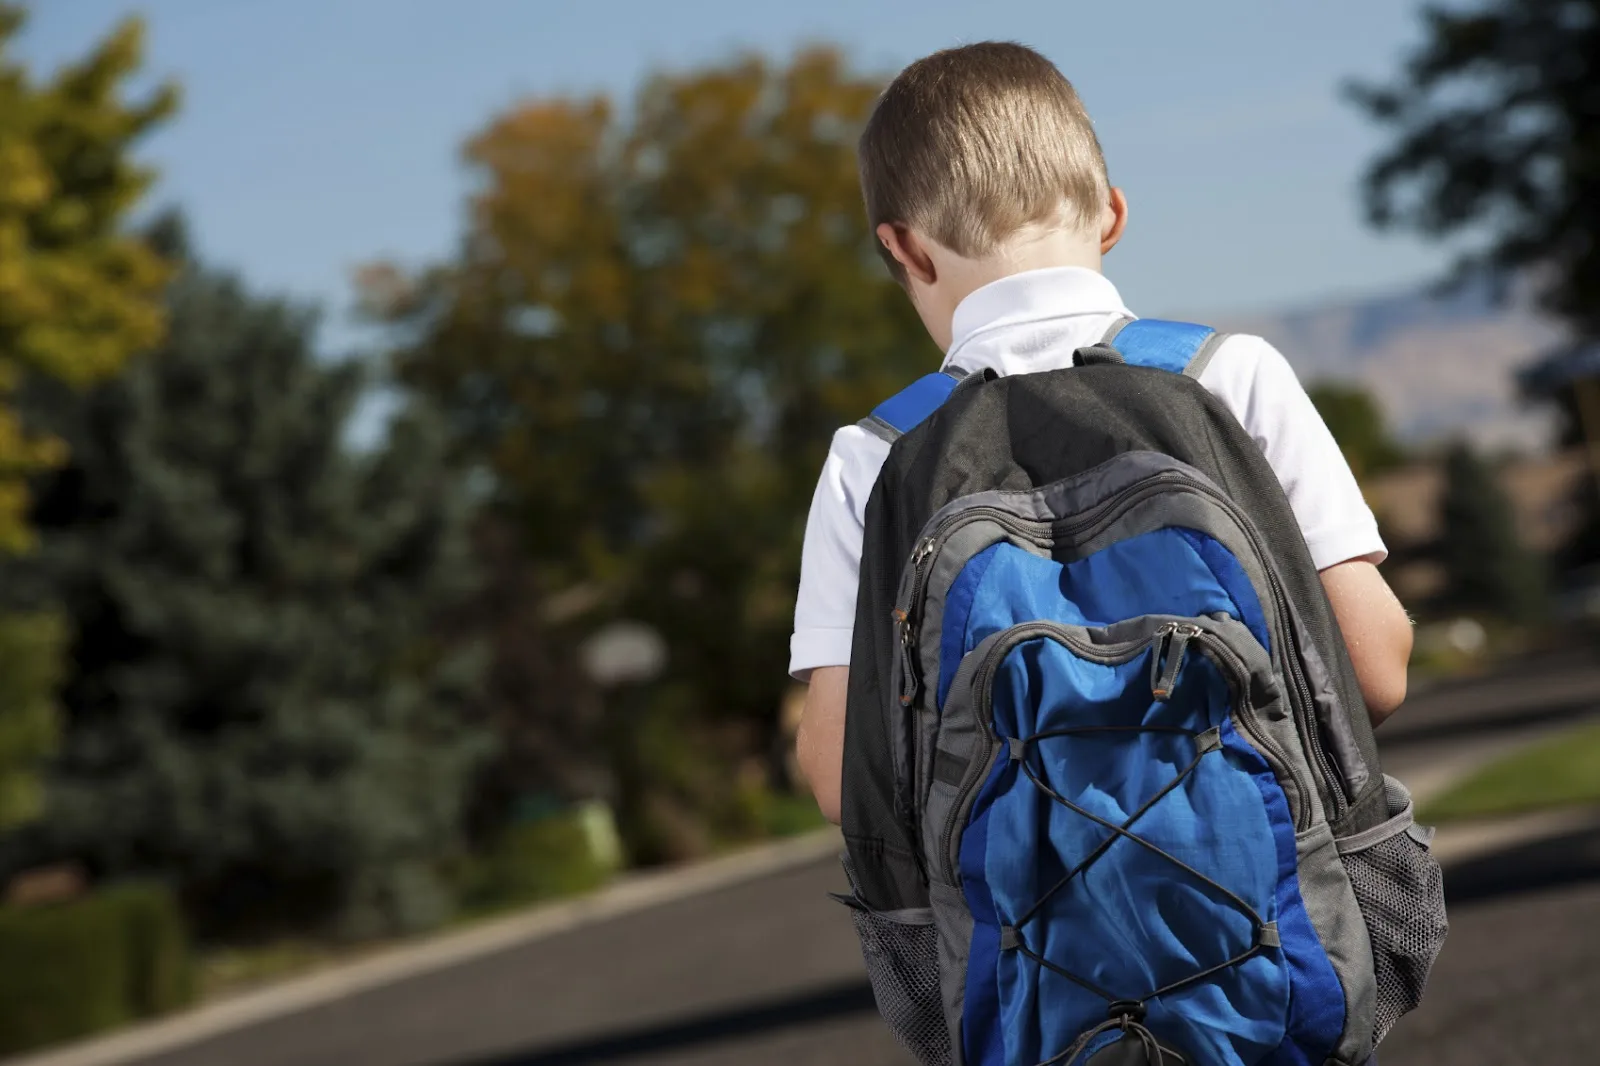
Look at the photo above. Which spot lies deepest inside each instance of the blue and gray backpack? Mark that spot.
(1111, 794)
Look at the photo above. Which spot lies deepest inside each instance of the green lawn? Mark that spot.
(1560, 772)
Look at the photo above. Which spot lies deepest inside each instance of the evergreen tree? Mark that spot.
(256, 707)
(1486, 566)
(77, 297)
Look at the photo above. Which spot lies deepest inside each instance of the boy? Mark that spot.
(987, 191)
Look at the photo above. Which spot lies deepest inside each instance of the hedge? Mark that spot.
(75, 968)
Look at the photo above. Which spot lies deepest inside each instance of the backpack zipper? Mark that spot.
(1301, 699)
(1169, 654)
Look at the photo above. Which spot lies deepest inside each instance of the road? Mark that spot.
(768, 971)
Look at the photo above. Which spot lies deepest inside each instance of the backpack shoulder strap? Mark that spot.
(906, 409)
(1181, 347)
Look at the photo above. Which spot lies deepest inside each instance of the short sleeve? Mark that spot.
(1261, 389)
(825, 605)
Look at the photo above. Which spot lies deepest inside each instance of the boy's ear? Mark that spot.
(1115, 220)
(908, 251)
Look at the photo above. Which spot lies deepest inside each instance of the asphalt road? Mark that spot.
(769, 972)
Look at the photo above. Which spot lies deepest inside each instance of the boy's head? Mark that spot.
(979, 162)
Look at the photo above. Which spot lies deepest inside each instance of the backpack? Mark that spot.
(1110, 792)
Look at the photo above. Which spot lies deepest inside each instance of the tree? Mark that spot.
(658, 316)
(77, 297)
(1357, 424)
(257, 707)
(1497, 137)
(1486, 567)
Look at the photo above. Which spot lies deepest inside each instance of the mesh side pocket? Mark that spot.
(1400, 889)
(901, 950)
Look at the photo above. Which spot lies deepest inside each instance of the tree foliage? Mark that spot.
(1497, 138)
(256, 706)
(1357, 424)
(1486, 566)
(658, 315)
(78, 296)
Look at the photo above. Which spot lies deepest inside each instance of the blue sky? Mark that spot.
(320, 134)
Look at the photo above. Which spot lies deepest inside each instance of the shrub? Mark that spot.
(530, 861)
(75, 968)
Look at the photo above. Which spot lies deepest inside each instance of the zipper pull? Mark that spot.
(910, 675)
(1172, 640)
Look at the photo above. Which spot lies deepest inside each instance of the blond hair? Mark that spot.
(973, 144)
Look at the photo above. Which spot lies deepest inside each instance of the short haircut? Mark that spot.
(973, 144)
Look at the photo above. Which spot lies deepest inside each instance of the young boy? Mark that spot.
(987, 191)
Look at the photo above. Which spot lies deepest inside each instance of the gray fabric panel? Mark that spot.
(957, 552)
(1115, 328)
(879, 428)
(1331, 905)
(1203, 357)
(1333, 720)
(1399, 799)
(961, 736)
(953, 919)
(1071, 495)
(1269, 714)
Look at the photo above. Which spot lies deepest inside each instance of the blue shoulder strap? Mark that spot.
(1181, 347)
(905, 410)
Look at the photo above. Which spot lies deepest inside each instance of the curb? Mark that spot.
(624, 896)
(1464, 841)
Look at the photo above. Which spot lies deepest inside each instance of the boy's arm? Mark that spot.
(819, 744)
(1377, 632)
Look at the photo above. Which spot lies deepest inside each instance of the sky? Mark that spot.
(317, 135)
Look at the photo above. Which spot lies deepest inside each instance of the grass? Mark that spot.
(1563, 771)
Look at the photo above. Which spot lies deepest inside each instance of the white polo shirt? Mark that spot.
(1034, 321)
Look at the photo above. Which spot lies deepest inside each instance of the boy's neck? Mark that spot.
(1040, 249)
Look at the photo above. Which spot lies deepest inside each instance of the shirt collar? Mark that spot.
(1032, 296)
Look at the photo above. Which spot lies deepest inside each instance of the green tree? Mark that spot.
(1497, 138)
(77, 297)
(659, 315)
(1486, 566)
(1357, 424)
(258, 707)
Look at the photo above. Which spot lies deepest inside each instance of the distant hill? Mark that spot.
(1440, 366)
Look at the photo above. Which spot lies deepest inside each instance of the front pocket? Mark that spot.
(901, 951)
(1400, 889)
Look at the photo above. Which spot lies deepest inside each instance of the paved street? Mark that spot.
(768, 971)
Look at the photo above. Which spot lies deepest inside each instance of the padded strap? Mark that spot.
(906, 409)
(1181, 347)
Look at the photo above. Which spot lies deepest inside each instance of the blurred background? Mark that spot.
(408, 416)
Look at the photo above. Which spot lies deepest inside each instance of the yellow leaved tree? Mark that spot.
(78, 295)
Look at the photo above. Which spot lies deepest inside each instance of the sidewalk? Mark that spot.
(624, 896)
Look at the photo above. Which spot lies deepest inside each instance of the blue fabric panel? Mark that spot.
(982, 1039)
(1234, 581)
(1317, 1007)
(1160, 572)
(957, 609)
(1215, 821)
(1162, 345)
(906, 409)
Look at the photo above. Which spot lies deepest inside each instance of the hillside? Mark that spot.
(1439, 365)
